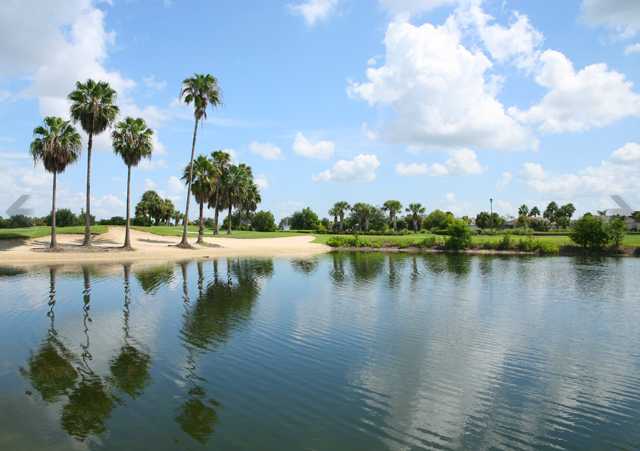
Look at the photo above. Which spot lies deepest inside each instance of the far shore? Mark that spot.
(149, 247)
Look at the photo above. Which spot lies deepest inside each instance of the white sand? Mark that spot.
(149, 247)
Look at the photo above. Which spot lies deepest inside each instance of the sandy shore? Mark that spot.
(149, 247)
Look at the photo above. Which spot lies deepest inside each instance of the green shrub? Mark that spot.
(263, 221)
(459, 235)
(590, 232)
(505, 243)
(430, 242)
(616, 230)
(546, 248)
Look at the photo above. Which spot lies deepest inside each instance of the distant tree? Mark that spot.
(56, 144)
(93, 105)
(416, 211)
(19, 221)
(221, 162)
(305, 219)
(437, 220)
(590, 232)
(64, 218)
(486, 220)
(177, 217)
(82, 218)
(201, 176)
(362, 213)
(393, 207)
(459, 235)
(564, 214)
(551, 212)
(167, 211)
(334, 212)
(150, 209)
(636, 216)
(341, 209)
(616, 229)
(263, 221)
(534, 212)
(523, 210)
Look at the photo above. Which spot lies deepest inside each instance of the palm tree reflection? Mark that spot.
(130, 369)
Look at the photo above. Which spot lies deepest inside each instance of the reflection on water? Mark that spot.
(345, 351)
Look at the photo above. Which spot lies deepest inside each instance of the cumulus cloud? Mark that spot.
(261, 181)
(632, 49)
(314, 11)
(151, 165)
(152, 83)
(616, 175)
(408, 8)
(504, 180)
(623, 16)
(579, 100)
(267, 151)
(321, 150)
(440, 91)
(460, 162)
(361, 169)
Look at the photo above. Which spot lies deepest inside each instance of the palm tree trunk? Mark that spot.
(217, 211)
(185, 242)
(395, 223)
(54, 241)
(127, 238)
(201, 225)
(229, 220)
(87, 212)
(415, 225)
(341, 223)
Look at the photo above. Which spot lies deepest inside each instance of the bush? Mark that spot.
(18, 221)
(616, 230)
(459, 235)
(263, 221)
(304, 220)
(64, 218)
(590, 232)
(430, 242)
(114, 220)
(505, 243)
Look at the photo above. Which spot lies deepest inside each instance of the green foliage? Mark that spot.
(590, 232)
(153, 209)
(459, 235)
(305, 219)
(485, 220)
(18, 221)
(616, 230)
(263, 221)
(114, 220)
(438, 220)
(64, 218)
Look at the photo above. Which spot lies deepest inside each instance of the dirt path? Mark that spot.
(149, 247)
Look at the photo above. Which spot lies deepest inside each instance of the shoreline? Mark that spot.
(563, 252)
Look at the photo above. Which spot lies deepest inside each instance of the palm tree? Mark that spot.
(393, 207)
(363, 213)
(333, 211)
(236, 186)
(201, 175)
(202, 91)
(523, 210)
(221, 161)
(93, 105)
(57, 144)
(416, 211)
(133, 141)
(341, 208)
(534, 212)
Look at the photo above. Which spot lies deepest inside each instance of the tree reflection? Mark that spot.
(395, 269)
(151, 279)
(89, 403)
(366, 266)
(51, 371)
(304, 265)
(337, 270)
(130, 369)
(219, 308)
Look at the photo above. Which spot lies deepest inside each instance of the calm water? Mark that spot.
(341, 352)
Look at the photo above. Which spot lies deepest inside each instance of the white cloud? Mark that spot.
(149, 184)
(592, 97)
(175, 185)
(261, 181)
(622, 16)
(151, 164)
(152, 83)
(233, 153)
(504, 181)
(413, 7)
(314, 11)
(267, 151)
(612, 176)
(321, 150)
(460, 162)
(632, 49)
(439, 91)
(361, 169)
(370, 134)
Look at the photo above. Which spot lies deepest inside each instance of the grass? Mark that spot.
(40, 231)
(193, 231)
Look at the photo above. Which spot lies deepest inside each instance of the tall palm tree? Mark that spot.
(333, 211)
(93, 105)
(201, 176)
(221, 162)
(237, 186)
(393, 207)
(341, 208)
(202, 91)
(416, 211)
(57, 144)
(133, 141)
(363, 213)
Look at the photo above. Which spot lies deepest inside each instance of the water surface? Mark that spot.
(344, 351)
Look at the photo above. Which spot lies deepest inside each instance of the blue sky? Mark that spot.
(443, 102)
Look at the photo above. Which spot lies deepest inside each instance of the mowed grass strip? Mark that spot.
(40, 231)
(193, 231)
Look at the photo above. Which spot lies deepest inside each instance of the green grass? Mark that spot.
(40, 231)
(193, 231)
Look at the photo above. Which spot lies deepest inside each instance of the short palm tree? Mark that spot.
(341, 209)
(416, 211)
(202, 91)
(56, 144)
(221, 162)
(93, 105)
(133, 141)
(393, 207)
(334, 212)
(236, 186)
(202, 177)
(363, 213)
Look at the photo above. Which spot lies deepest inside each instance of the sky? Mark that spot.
(443, 102)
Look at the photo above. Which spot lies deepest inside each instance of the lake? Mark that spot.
(346, 351)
